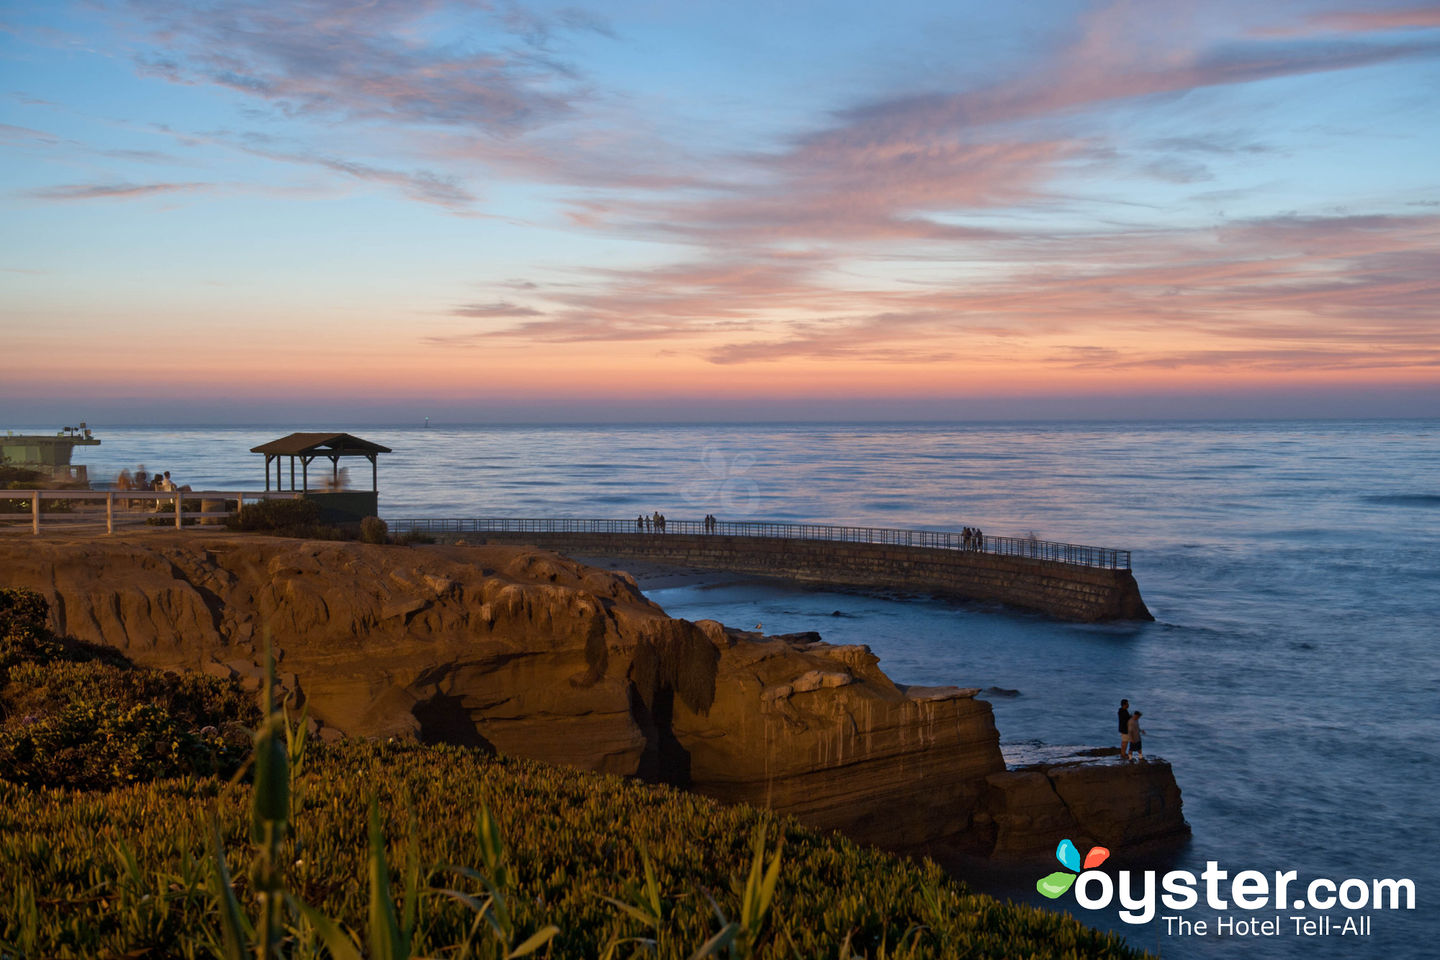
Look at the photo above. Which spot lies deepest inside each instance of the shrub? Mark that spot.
(21, 478)
(24, 630)
(277, 516)
(23, 611)
(79, 715)
(374, 530)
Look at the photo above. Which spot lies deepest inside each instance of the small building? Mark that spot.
(336, 505)
(48, 454)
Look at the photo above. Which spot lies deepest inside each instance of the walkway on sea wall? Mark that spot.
(1065, 580)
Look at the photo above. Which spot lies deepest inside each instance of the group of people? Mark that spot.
(972, 538)
(141, 480)
(655, 522)
(1130, 733)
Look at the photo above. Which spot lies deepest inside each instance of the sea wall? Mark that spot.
(1066, 591)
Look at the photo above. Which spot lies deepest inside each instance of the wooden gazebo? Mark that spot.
(309, 447)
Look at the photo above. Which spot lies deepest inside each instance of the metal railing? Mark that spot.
(128, 506)
(1072, 553)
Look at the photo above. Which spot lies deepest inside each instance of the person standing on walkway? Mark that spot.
(1124, 716)
(1136, 733)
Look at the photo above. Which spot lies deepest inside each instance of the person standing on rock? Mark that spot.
(1124, 714)
(1135, 734)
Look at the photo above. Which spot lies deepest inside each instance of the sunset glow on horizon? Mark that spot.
(538, 211)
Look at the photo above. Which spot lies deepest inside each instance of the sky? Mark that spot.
(242, 211)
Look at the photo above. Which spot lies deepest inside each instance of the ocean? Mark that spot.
(1292, 674)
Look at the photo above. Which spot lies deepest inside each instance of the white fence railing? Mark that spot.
(72, 507)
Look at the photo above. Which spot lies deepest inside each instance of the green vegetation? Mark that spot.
(301, 518)
(21, 478)
(571, 839)
(74, 714)
(374, 530)
(287, 517)
(501, 857)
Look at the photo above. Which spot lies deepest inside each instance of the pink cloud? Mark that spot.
(1326, 289)
(1370, 20)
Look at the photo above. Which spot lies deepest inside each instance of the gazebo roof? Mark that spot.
(320, 445)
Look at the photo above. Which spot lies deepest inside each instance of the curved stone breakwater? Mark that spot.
(1067, 591)
(526, 652)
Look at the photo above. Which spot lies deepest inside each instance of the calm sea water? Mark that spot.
(1292, 675)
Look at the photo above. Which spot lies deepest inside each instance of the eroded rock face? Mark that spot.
(532, 654)
(819, 731)
(1106, 802)
(502, 647)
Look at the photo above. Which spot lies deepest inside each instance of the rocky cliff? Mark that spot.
(528, 653)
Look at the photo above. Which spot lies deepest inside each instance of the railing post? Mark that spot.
(110, 511)
(179, 507)
(35, 512)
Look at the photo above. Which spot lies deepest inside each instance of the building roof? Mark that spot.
(320, 445)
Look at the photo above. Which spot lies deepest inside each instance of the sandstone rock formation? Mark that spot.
(1110, 803)
(529, 653)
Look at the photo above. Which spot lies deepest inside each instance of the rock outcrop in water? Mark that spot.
(528, 653)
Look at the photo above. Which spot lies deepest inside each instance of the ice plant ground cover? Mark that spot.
(110, 872)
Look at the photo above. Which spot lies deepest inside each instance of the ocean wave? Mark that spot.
(1405, 499)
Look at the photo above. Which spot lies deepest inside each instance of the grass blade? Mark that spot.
(235, 930)
(385, 940)
(717, 943)
(534, 942)
(336, 940)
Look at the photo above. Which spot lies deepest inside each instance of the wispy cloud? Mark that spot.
(576, 328)
(111, 191)
(908, 168)
(13, 134)
(1362, 287)
(373, 61)
(1367, 20)
(500, 308)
